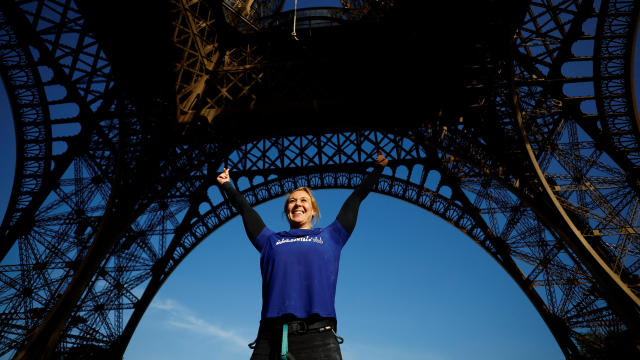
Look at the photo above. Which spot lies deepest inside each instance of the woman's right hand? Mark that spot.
(223, 177)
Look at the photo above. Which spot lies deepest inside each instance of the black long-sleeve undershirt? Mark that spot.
(349, 212)
(253, 223)
(347, 216)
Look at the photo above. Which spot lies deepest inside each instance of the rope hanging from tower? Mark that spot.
(295, 16)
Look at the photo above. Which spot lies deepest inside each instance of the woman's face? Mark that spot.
(300, 210)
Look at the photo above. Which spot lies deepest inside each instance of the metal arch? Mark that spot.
(513, 248)
(465, 219)
(202, 225)
(398, 188)
(42, 168)
(47, 251)
(49, 245)
(613, 62)
(30, 117)
(586, 187)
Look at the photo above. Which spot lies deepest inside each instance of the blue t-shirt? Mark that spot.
(300, 270)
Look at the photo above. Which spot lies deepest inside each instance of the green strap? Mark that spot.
(285, 341)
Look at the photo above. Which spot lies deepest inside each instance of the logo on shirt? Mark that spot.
(314, 239)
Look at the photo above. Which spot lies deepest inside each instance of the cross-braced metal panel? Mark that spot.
(590, 175)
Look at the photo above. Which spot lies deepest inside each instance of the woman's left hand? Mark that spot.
(381, 160)
(223, 177)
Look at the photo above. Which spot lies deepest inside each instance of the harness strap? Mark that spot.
(338, 337)
(285, 341)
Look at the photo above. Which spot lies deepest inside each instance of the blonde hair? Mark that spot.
(314, 204)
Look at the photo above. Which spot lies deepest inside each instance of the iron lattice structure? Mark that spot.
(527, 120)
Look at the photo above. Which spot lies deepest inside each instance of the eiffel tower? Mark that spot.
(125, 111)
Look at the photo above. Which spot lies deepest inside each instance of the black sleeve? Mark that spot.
(253, 224)
(349, 211)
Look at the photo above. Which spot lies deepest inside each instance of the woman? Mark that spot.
(300, 272)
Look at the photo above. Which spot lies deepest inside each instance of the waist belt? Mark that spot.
(297, 327)
(303, 327)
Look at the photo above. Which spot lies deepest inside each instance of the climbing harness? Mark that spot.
(299, 328)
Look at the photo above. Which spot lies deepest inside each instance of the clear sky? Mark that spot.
(411, 287)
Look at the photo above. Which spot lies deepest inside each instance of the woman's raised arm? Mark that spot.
(253, 224)
(349, 212)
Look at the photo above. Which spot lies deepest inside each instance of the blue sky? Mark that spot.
(411, 287)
